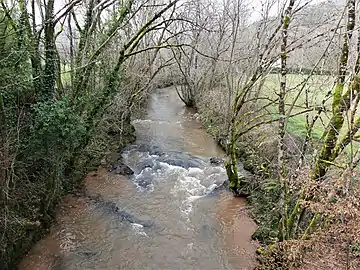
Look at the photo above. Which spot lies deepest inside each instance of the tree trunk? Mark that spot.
(284, 230)
(34, 45)
(50, 53)
(3, 144)
(340, 104)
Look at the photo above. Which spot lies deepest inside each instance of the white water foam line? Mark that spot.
(148, 122)
(196, 183)
(149, 173)
(67, 240)
(142, 121)
(191, 184)
(172, 168)
(159, 121)
(138, 229)
(163, 169)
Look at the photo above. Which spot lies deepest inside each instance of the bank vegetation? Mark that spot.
(276, 83)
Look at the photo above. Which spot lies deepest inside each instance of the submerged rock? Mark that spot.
(148, 163)
(132, 219)
(216, 160)
(120, 168)
(143, 148)
(112, 209)
(87, 253)
(144, 182)
(128, 148)
(207, 231)
(155, 150)
(182, 160)
(145, 178)
(176, 162)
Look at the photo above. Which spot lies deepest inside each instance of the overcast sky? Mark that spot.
(255, 4)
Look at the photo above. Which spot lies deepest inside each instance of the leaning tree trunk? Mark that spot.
(341, 102)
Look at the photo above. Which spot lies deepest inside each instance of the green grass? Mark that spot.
(297, 126)
(317, 87)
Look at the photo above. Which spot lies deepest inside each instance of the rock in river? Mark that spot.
(120, 168)
(216, 160)
(112, 209)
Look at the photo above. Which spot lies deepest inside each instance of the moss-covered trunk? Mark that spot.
(3, 144)
(230, 165)
(284, 230)
(341, 102)
(34, 45)
(3, 128)
(50, 54)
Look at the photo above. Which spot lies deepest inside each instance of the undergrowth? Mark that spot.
(50, 162)
(333, 239)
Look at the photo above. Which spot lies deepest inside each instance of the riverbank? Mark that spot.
(314, 245)
(37, 219)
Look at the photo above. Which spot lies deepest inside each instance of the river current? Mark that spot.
(171, 214)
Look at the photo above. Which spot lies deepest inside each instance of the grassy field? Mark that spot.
(317, 87)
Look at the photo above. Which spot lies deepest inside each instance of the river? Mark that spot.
(168, 215)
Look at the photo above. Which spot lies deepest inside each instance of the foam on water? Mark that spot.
(138, 229)
(67, 241)
(195, 183)
(171, 168)
(190, 184)
(161, 122)
(142, 121)
(139, 178)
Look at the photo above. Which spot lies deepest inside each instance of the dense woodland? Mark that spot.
(276, 82)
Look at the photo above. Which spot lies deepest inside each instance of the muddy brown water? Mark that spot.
(168, 215)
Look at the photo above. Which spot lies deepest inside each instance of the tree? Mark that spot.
(342, 105)
(53, 105)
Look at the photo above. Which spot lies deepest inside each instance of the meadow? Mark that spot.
(315, 89)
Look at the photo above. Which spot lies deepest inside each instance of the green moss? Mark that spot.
(264, 200)
(338, 90)
(286, 22)
(355, 247)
